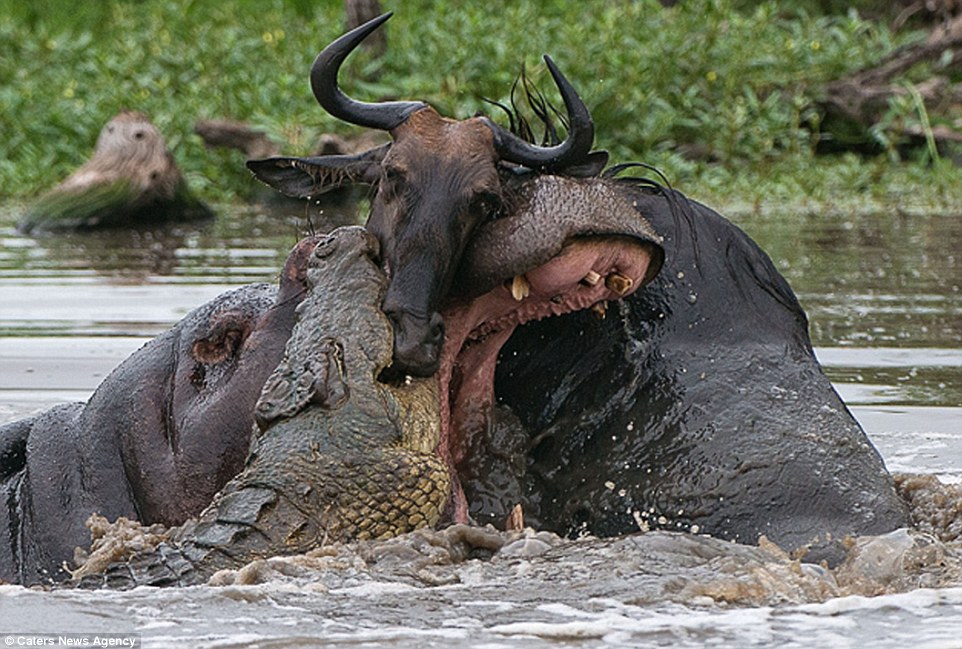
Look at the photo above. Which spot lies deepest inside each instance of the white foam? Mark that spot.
(374, 589)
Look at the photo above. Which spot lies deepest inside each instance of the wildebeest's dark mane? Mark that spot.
(525, 93)
(526, 98)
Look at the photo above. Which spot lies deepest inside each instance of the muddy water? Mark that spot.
(884, 295)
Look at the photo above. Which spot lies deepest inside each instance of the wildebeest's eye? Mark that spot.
(393, 174)
(488, 204)
(392, 181)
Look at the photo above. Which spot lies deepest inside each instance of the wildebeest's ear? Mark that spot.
(303, 177)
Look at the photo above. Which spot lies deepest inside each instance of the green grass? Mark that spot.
(736, 79)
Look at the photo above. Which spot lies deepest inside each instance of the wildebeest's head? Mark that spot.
(435, 183)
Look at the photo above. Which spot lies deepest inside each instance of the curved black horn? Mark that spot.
(384, 116)
(581, 134)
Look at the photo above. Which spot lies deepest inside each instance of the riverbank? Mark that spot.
(718, 95)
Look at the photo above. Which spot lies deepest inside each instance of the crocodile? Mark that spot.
(335, 454)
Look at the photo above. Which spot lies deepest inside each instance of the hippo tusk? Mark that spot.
(619, 283)
(520, 288)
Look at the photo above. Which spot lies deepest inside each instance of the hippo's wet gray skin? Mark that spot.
(695, 404)
(159, 437)
(337, 455)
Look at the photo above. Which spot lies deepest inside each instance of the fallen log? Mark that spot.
(852, 105)
(131, 179)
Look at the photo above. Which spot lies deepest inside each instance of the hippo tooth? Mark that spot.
(619, 283)
(520, 288)
(600, 309)
(592, 278)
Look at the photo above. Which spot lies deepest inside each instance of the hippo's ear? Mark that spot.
(13, 446)
(228, 333)
(305, 177)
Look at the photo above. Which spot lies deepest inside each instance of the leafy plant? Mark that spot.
(734, 82)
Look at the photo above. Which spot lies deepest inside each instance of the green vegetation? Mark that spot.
(735, 80)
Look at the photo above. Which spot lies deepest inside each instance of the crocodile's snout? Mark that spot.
(345, 241)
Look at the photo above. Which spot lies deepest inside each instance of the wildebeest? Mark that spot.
(436, 200)
(697, 403)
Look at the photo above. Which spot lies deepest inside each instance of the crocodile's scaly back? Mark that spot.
(337, 454)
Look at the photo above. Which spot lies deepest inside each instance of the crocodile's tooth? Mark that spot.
(619, 283)
(592, 278)
(520, 288)
(600, 309)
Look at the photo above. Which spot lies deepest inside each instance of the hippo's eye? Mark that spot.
(326, 247)
(488, 205)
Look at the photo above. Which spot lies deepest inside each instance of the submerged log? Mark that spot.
(131, 179)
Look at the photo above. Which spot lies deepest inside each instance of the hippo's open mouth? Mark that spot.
(586, 273)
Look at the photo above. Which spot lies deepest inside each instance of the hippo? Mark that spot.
(167, 429)
(696, 403)
(336, 454)
(157, 439)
